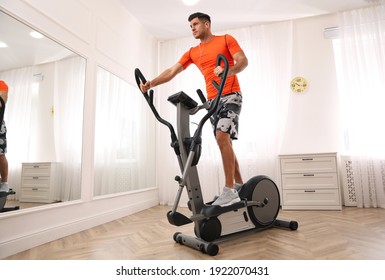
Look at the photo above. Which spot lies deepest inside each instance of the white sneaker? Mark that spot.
(4, 187)
(227, 197)
(237, 188)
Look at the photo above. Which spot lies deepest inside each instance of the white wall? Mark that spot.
(312, 124)
(42, 134)
(106, 35)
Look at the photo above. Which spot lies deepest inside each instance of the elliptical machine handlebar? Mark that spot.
(201, 96)
(150, 100)
(196, 138)
(2, 110)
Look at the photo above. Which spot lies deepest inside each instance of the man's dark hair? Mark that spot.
(199, 15)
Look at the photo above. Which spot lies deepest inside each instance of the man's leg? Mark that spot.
(228, 157)
(3, 159)
(3, 168)
(228, 195)
(4, 173)
(237, 172)
(226, 128)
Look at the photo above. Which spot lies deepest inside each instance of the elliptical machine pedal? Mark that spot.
(3, 201)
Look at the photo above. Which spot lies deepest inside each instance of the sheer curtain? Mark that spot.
(265, 103)
(124, 137)
(360, 58)
(18, 121)
(68, 123)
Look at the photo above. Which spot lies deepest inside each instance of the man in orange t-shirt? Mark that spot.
(225, 122)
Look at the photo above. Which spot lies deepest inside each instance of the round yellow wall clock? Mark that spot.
(299, 85)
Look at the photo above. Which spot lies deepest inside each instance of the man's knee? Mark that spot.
(223, 139)
(2, 158)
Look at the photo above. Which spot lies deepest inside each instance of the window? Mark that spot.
(360, 63)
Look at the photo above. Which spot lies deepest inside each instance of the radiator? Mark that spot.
(363, 183)
(124, 177)
(347, 177)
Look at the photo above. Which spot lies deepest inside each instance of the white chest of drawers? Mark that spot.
(40, 182)
(310, 182)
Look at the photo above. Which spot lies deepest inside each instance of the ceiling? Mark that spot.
(24, 50)
(167, 19)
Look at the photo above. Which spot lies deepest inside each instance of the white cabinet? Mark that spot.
(40, 182)
(310, 181)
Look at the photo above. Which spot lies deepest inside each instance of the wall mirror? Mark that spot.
(124, 137)
(44, 115)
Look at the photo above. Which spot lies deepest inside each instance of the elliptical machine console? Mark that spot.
(260, 199)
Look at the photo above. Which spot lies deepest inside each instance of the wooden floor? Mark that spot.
(350, 234)
(22, 205)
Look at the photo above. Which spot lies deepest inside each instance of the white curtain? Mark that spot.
(18, 121)
(68, 123)
(360, 58)
(265, 103)
(124, 137)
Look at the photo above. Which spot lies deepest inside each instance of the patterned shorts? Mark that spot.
(3, 139)
(227, 115)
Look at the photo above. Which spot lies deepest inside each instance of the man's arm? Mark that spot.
(240, 63)
(4, 96)
(164, 77)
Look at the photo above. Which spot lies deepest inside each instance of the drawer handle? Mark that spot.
(35, 189)
(35, 177)
(36, 166)
(310, 191)
(308, 175)
(307, 159)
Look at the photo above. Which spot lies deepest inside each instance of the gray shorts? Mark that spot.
(226, 117)
(3, 139)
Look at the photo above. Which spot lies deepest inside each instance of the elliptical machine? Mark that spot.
(260, 199)
(3, 200)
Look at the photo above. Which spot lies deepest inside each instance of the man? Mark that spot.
(225, 122)
(3, 141)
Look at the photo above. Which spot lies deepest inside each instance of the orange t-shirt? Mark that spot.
(204, 56)
(3, 86)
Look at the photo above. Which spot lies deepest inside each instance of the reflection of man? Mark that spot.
(3, 140)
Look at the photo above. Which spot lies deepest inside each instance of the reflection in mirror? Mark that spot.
(43, 116)
(124, 137)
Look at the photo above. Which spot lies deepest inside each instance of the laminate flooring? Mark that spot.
(350, 234)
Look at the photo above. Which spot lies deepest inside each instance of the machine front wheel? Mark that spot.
(210, 229)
